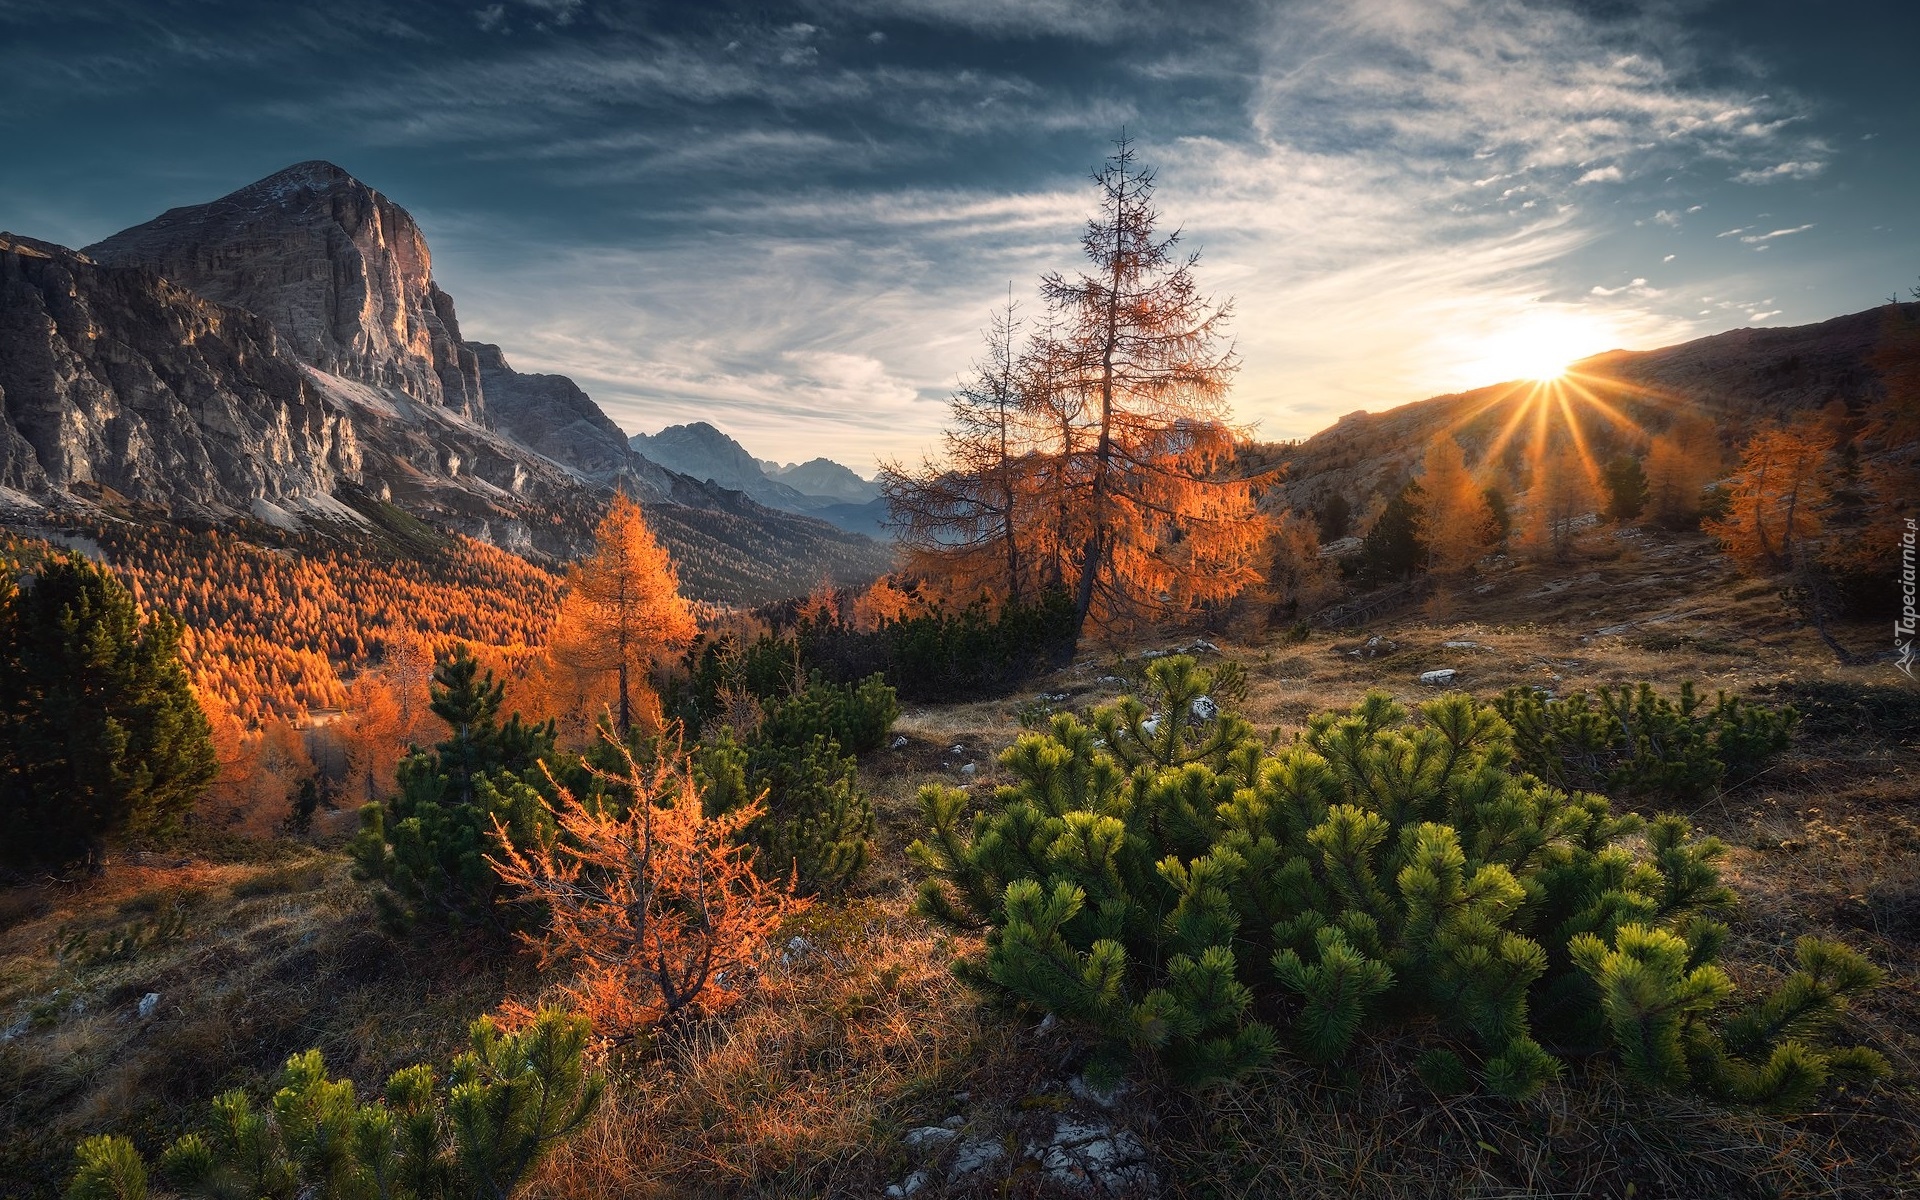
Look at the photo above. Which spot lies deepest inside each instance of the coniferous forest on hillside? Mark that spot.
(1507, 794)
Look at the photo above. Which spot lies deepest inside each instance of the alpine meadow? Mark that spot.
(1050, 599)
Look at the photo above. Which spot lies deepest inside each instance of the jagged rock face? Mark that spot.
(550, 413)
(115, 378)
(341, 271)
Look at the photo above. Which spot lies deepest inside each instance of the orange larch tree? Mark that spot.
(623, 608)
(1776, 498)
(1680, 463)
(1451, 519)
(657, 909)
(374, 735)
(1564, 489)
(1142, 351)
(964, 520)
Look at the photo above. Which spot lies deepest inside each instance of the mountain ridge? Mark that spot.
(255, 355)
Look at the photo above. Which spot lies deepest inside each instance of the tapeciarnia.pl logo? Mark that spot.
(1903, 628)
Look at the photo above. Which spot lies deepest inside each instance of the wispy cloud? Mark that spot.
(1750, 239)
(1780, 171)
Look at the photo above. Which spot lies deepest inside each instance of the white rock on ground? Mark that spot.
(1091, 1156)
(974, 1157)
(930, 1135)
(1438, 678)
(149, 1003)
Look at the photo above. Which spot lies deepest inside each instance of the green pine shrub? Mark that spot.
(817, 826)
(1176, 887)
(426, 848)
(857, 716)
(510, 1099)
(1633, 742)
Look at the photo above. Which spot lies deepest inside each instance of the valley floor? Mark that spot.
(862, 1034)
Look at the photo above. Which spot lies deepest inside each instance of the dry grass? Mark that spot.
(808, 1088)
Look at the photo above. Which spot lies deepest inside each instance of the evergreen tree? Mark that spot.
(1392, 549)
(1334, 517)
(428, 845)
(1626, 487)
(100, 734)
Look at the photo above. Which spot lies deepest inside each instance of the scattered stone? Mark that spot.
(955, 1121)
(899, 740)
(930, 1135)
(1053, 697)
(1438, 678)
(961, 1097)
(909, 1185)
(1614, 630)
(1150, 726)
(957, 750)
(1155, 653)
(1046, 1024)
(1375, 647)
(1111, 681)
(1203, 647)
(975, 1156)
(969, 768)
(1462, 645)
(148, 1003)
(1204, 708)
(1094, 1156)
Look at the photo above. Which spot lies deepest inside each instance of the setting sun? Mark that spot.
(1539, 346)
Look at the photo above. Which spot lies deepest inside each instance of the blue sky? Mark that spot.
(792, 219)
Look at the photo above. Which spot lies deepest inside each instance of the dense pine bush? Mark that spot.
(511, 1099)
(817, 825)
(1635, 743)
(1176, 887)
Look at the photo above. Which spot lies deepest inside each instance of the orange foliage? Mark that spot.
(1564, 489)
(884, 601)
(259, 771)
(1777, 495)
(374, 736)
(1452, 517)
(1680, 464)
(1101, 458)
(622, 611)
(272, 631)
(658, 910)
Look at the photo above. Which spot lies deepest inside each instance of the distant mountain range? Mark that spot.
(284, 354)
(821, 488)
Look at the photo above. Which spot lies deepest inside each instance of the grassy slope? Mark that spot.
(863, 1033)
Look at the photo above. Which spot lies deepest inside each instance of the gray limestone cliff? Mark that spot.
(114, 378)
(340, 270)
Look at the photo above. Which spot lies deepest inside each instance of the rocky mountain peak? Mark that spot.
(340, 271)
